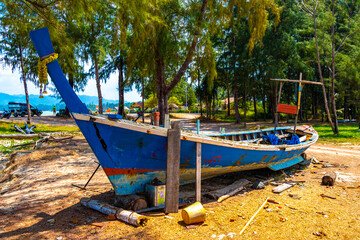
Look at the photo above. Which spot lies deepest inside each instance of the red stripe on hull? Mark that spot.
(118, 171)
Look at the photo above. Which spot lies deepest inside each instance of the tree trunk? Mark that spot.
(346, 106)
(160, 76)
(213, 108)
(121, 84)
(207, 108)
(143, 101)
(200, 97)
(321, 77)
(314, 105)
(236, 104)
(25, 86)
(255, 108)
(98, 87)
(336, 126)
(264, 106)
(161, 86)
(228, 96)
(245, 107)
(272, 104)
(306, 110)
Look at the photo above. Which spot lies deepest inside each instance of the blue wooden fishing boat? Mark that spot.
(133, 154)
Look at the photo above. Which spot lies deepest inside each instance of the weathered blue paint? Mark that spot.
(119, 148)
(131, 158)
(198, 126)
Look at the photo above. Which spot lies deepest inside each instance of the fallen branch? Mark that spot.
(227, 190)
(230, 194)
(42, 140)
(247, 224)
(323, 195)
(19, 136)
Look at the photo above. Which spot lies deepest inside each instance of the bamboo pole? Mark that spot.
(252, 218)
(303, 81)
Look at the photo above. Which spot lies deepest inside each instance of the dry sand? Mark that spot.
(38, 201)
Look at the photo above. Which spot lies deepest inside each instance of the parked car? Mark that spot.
(20, 109)
(5, 114)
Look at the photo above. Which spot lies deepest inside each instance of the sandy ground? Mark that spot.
(38, 200)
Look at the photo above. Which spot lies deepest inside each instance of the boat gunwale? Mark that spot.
(198, 138)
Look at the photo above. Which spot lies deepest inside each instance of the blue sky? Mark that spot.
(10, 84)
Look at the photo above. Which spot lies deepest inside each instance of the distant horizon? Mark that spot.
(50, 95)
(10, 84)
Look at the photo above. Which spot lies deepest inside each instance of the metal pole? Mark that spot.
(198, 127)
(84, 187)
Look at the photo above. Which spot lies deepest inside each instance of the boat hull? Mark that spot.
(132, 155)
(132, 159)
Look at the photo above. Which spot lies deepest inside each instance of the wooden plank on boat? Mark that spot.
(173, 169)
(198, 172)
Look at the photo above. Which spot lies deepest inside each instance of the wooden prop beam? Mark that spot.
(298, 102)
(290, 80)
(173, 168)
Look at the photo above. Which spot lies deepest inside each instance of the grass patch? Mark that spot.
(6, 145)
(6, 128)
(348, 134)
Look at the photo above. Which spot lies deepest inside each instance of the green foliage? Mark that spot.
(151, 102)
(348, 134)
(174, 100)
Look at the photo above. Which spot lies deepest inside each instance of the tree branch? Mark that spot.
(190, 53)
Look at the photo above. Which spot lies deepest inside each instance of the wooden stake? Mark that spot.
(276, 105)
(173, 169)
(252, 218)
(198, 172)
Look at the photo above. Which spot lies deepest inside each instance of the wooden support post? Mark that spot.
(167, 121)
(276, 115)
(278, 102)
(173, 168)
(198, 172)
(298, 103)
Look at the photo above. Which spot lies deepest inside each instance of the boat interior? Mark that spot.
(257, 136)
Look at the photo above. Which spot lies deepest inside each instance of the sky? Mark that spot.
(10, 84)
